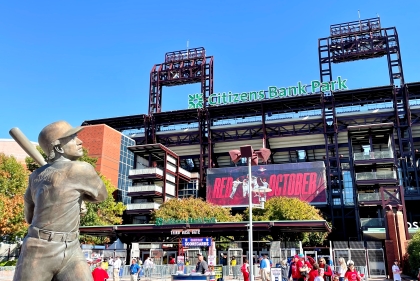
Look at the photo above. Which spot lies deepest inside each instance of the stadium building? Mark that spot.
(351, 153)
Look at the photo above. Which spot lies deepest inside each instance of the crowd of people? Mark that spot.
(114, 268)
(300, 268)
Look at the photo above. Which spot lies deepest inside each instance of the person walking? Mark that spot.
(327, 269)
(342, 269)
(234, 269)
(284, 270)
(134, 270)
(148, 267)
(116, 269)
(396, 271)
(351, 274)
(245, 270)
(201, 266)
(313, 273)
(99, 273)
(265, 269)
(320, 276)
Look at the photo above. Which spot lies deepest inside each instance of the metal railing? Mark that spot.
(145, 188)
(381, 175)
(363, 197)
(145, 171)
(366, 223)
(373, 155)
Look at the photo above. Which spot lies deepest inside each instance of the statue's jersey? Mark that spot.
(55, 193)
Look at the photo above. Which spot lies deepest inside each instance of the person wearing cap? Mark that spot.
(52, 204)
(396, 271)
(201, 266)
(294, 272)
(351, 274)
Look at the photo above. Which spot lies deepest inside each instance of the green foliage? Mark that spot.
(13, 183)
(413, 251)
(285, 208)
(31, 165)
(8, 263)
(105, 213)
(184, 209)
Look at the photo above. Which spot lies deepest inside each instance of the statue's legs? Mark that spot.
(44, 260)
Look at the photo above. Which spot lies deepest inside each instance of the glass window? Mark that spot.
(301, 154)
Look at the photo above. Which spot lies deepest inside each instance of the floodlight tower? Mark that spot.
(180, 68)
(357, 40)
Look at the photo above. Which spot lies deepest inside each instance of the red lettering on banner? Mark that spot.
(273, 185)
(228, 187)
(290, 184)
(312, 183)
(216, 187)
(279, 179)
(285, 180)
(298, 184)
(305, 183)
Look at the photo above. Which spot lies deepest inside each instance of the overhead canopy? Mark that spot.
(210, 229)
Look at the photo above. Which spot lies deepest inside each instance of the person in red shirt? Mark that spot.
(171, 260)
(327, 269)
(294, 268)
(99, 274)
(351, 274)
(314, 272)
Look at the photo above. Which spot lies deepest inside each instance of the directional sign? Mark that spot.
(199, 242)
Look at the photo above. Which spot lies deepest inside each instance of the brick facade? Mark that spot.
(104, 143)
(396, 243)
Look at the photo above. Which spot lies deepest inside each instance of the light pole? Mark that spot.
(247, 152)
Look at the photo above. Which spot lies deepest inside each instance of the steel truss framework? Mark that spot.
(381, 42)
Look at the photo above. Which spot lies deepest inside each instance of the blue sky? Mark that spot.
(82, 60)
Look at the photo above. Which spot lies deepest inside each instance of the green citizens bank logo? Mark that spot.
(316, 86)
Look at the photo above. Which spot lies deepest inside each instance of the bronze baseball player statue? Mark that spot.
(51, 250)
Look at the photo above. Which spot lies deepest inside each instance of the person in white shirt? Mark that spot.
(116, 269)
(396, 271)
(148, 267)
(320, 276)
(342, 269)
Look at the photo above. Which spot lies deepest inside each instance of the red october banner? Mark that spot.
(230, 186)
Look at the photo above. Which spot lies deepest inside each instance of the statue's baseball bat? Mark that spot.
(26, 145)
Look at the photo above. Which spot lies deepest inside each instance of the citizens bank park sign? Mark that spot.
(229, 186)
(273, 92)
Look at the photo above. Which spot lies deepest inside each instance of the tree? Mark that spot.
(413, 251)
(285, 208)
(193, 208)
(13, 183)
(107, 212)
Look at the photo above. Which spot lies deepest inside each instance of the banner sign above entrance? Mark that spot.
(230, 186)
(198, 242)
(185, 231)
(273, 92)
